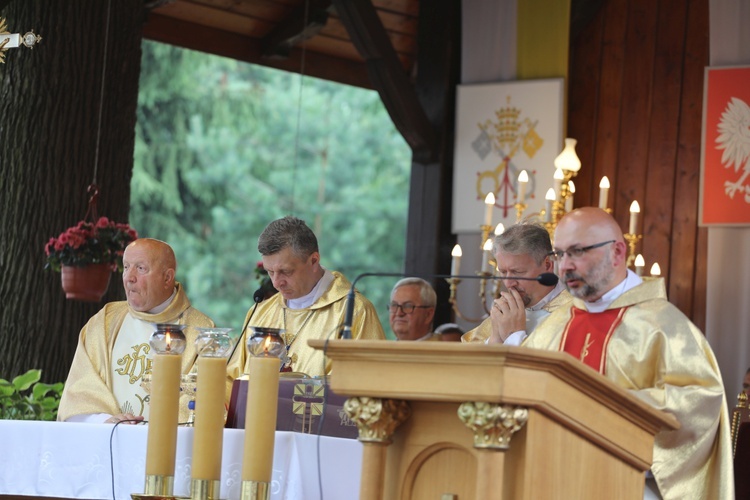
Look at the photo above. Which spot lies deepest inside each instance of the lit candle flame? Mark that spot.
(169, 342)
(604, 183)
(266, 345)
(457, 252)
(499, 229)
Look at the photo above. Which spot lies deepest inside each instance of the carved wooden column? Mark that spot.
(376, 420)
(493, 425)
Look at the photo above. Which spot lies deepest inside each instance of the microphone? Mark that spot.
(258, 297)
(546, 279)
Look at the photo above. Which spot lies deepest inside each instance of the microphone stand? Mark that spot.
(258, 297)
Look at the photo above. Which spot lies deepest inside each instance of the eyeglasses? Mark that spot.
(407, 307)
(576, 252)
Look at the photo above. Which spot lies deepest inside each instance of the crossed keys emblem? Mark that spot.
(506, 137)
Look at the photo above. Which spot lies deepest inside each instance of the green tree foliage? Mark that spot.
(223, 148)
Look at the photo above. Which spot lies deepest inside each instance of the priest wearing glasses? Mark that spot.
(624, 327)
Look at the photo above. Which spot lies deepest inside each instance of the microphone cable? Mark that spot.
(258, 297)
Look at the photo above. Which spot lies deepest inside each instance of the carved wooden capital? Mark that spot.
(493, 424)
(377, 418)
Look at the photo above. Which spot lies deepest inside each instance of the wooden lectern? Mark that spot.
(462, 422)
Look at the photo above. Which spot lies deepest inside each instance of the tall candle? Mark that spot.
(456, 254)
(163, 418)
(558, 178)
(635, 209)
(655, 269)
(603, 192)
(209, 418)
(550, 197)
(569, 199)
(486, 249)
(260, 418)
(523, 180)
(640, 263)
(489, 203)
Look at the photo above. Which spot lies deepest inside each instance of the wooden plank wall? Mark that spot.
(635, 105)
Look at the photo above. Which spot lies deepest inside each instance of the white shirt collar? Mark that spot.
(632, 280)
(163, 306)
(318, 290)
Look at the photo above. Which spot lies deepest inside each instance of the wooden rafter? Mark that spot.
(388, 77)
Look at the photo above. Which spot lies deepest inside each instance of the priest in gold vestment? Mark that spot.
(624, 327)
(311, 303)
(522, 250)
(113, 352)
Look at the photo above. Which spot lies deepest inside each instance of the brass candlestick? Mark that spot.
(632, 240)
(453, 282)
(520, 209)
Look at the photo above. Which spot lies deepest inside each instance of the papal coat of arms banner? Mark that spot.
(725, 159)
(502, 129)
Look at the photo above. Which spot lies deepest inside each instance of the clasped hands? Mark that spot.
(508, 315)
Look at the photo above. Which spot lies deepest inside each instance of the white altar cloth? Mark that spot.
(72, 460)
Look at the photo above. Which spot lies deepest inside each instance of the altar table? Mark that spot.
(72, 460)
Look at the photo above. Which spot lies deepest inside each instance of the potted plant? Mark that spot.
(26, 398)
(86, 254)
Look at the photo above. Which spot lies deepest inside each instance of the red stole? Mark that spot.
(586, 336)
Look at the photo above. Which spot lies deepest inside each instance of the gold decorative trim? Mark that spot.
(493, 424)
(255, 490)
(159, 485)
(10, 40)
(377, 418)
(741, 407)
(204, 489)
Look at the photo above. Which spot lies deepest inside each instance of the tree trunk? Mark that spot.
(49, 113)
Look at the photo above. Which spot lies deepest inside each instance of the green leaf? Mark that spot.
(23, 382)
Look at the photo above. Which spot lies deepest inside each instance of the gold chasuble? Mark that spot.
(322, 320)
(90, 387)
(646, 345)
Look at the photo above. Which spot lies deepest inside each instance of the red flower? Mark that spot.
(102, 242)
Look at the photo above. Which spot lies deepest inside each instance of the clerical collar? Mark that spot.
(548, 298)
(632, 280)
(163, 306)
(426, 337)
(318, 290)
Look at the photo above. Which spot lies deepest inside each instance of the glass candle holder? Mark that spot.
(213, 342)
(168, 339)
(266, 342)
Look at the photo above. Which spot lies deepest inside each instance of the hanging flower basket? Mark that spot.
(87, 283)
(86, 254)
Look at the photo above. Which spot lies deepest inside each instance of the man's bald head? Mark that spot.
(599, 269)
(148, 275)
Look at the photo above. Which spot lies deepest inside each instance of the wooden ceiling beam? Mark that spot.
(388, 76)
(222, 43)
(303, 24)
